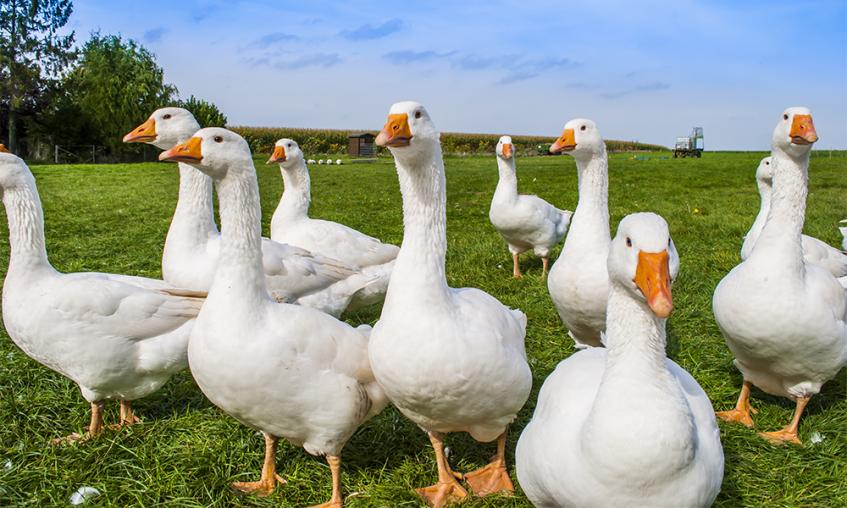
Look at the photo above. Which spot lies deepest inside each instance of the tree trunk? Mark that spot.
(13, 130)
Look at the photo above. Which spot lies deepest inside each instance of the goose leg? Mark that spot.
(335, 466)
(494, 477)
(127, 416)
(545, 261)
(266, 484)
(516, 267)
(788, 434)
(95, 427)
(741, 413)
(447, 489)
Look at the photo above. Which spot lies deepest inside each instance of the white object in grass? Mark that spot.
(83, 495)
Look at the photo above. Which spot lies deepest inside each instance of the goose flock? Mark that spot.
(257, 319)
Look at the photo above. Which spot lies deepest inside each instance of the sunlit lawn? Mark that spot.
(186, 452)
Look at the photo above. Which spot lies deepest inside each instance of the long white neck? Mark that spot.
(26, 227)
(780, 241)
(756, 229)
(239, 276)
(639, 411)
(420, 263)
(194, 217)
(296, 196)
(590, 221)
(507, 185)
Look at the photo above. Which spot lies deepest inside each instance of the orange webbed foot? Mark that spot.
(442, 493)
(490, 479)
(737, 416)
(261, 488)
(781, 437)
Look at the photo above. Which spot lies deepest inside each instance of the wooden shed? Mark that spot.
(361, 144)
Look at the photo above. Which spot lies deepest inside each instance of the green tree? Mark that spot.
(116, 83)
(31, 53)
(206, 113)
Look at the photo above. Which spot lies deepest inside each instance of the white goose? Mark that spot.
(814, 251)
(844, 234)
(190, 257)
(525, 222)
(116, 336)
(579, 280)
(287, 370)
(292, 225)
(625, 426)
(451, 360)
(783, 318)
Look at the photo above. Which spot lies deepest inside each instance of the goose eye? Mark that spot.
(417, 114)
(582, 128)
(628, 242)
(289, 145)
(167, 117)
(219, 139)
(767, 163)
(785, 117)
(669, 243)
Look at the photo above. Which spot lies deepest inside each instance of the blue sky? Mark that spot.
(646, 70)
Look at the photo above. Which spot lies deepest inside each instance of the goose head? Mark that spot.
(287, 153)
(795, 132)
(165, 128)
(409, 131)
(643, 260)
(764, 173)
(581, 139)
(505, 149)
(214, 151)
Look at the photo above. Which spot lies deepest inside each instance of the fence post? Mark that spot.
(94, 154)
(56, 153)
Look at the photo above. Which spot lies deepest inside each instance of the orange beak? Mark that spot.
(3, 149)
(189, 152)
(507, 150)
(566, 142)
(653, 279)
(396, 131)
(803, 130)
(144, 133)
(278, 155)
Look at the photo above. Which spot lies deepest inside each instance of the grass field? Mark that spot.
(186, 452)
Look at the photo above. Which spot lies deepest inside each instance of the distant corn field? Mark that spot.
(333, 141)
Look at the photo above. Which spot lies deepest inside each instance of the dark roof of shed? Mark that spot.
(361, 135)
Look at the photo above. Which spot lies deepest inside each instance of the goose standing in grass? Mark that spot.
(292, 225)
(814, 251)
(118, 337)
(451, 360)
(579, 281)
(625, 426)
(525, 222)
(783, 318)
(192, 247)
(287, 370)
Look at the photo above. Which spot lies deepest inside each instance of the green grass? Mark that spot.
(114, 218)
